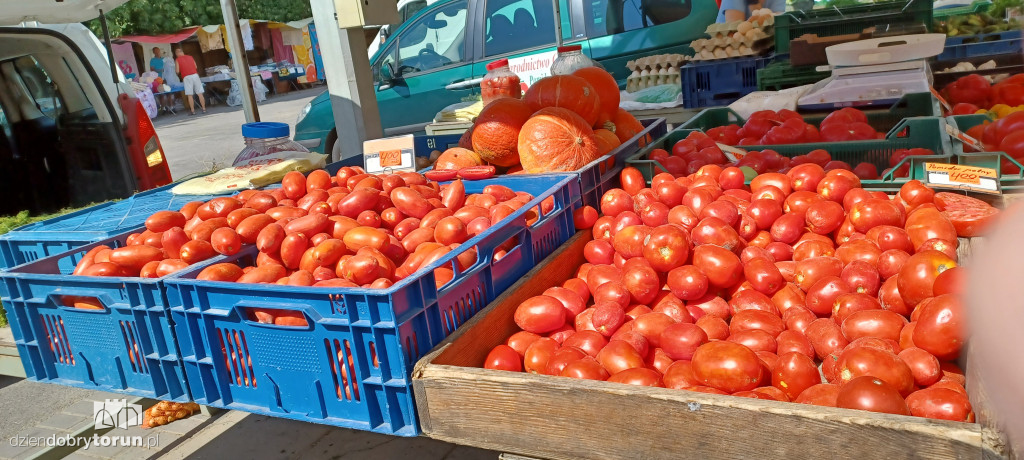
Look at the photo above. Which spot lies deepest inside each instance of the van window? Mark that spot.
(607, 17)
(410, 10)
(39, 85)
(514, 25)
(436, 39)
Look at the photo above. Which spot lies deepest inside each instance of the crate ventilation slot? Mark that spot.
(237, 360)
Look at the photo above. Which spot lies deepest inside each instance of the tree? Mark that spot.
(154, 17)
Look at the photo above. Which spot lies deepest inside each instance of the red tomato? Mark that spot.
(618, 356)
(970, 216)
(537, 355)
(940, 403)
(822, 394)
(540, 314)
(869, 361)
(638, 376)
(871, 394)
(721, 266)
(862, 277)
(826, 337)
(923, 366)
(764, 276)
(848, 304)
(791, 341)
(504, 358)
(727, 366)
(916, 278)
(882, 324)
(632, 180)
(667, 248)
(477, 172)
(794, 373)
(715, 327)
(522, 340)
(941, 328)
(586, 368)
(809, 271)
(928, 223)
(821, 296)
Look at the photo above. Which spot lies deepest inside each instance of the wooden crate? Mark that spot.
(561, 418)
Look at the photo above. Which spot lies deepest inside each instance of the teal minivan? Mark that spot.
(437, 57)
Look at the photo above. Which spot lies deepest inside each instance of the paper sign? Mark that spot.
(390, 154)
(732, 153)
(941, 99)
(972, 178)
(533, 67)
(964, 138)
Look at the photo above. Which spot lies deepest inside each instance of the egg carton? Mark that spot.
(660, 61)
(750, 40)
(744, 50)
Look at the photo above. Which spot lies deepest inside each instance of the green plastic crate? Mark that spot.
(984, 159)
(918, 132)
(976, 7)
(910, 105)
(828, 22)
(781, 75)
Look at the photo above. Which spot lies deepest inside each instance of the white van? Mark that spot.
(71, 130)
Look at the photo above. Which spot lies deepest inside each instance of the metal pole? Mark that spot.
(110, 50)
(558, 23)
(238, 60)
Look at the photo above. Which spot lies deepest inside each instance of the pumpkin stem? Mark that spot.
(579, 140)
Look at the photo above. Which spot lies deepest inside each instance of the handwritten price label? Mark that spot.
(971, 178)
(732, 153)
(390, 158)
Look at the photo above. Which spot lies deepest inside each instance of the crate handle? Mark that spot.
(94, 303)
(256, 313)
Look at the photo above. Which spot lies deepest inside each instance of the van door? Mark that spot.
(67, 143)
(522, 31)
(425, 56)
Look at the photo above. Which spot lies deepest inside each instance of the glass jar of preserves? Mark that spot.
(570, 59)
(500, 82)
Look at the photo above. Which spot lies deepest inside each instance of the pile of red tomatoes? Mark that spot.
(800, 287)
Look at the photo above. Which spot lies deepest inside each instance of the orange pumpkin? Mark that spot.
(568, 92)
(606, 141)
(496, 131)
(627, 126)
(607, 92)
(556, 139)
(458, 158)
(466, 141)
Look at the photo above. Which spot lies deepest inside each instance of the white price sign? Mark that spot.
(389, 154)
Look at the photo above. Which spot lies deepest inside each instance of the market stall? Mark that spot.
(775, 268)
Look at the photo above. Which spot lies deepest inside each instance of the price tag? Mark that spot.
(732, 153)
(391, 154)
(961, 177)
(964, 138)
(941, 99)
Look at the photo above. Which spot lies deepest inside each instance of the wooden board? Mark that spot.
(560, 418)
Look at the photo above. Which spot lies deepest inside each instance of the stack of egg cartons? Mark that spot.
(662, 69)
(751, 37)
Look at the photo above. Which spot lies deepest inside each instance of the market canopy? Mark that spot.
(175, 37)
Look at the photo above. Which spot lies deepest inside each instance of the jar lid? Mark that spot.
(265, 130)
(496, 64)
(562, 49)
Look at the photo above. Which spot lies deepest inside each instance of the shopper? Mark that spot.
(186, 67)
(738, 10)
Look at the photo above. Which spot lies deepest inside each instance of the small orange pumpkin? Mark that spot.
(458, 158)
(627, 126)
(607, 92)
(606, 141)
(568, 92)
(556, 139)
(496, 131)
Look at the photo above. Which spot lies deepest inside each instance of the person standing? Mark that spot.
(156, 64)
(186, 67)
(738, 10)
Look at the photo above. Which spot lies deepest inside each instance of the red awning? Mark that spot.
(166, 38)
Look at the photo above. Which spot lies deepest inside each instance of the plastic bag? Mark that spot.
(654, 97)
(769, 100)
(255, 173)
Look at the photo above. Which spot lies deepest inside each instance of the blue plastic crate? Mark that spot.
(127, 348)
(351, 366)
(981, 45)
(720, 82)
(52, 236)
